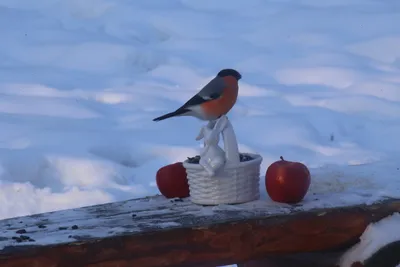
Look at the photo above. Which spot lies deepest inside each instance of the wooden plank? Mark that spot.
(158, 232)
(313, 259)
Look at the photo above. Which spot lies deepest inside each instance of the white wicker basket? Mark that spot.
(231, 185)
(220, 177)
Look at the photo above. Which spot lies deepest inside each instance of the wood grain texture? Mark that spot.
(313, 259)
(188, 235)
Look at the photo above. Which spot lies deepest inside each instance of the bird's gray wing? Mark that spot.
(210, 91)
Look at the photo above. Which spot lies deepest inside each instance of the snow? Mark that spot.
(81, 81)
(376, 236)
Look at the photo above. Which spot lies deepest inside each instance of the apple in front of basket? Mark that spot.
(287, 181)
(172, 181)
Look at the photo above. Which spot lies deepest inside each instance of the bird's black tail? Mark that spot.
(177, 112)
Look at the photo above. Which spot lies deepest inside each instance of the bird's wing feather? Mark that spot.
(210, 91)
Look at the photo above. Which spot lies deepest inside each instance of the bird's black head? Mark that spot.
(230, 72)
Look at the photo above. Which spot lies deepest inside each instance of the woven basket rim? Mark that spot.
(256, 159)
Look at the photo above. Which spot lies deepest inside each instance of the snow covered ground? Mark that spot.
(81, 81)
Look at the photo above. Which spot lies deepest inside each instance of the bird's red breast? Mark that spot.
(223, 104)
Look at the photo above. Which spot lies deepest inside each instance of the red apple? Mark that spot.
(287, 181)
(172, 181)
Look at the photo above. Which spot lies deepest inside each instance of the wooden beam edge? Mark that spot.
(224, 243)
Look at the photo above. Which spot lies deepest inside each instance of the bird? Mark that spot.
(215, 99)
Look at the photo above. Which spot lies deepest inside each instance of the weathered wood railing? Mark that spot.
(152, 232)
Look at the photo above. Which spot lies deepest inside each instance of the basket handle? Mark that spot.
(213, 157)
(230, 143)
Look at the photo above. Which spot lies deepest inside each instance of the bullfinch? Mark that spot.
(214, 100)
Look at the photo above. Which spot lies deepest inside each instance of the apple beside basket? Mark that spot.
(285, 181)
